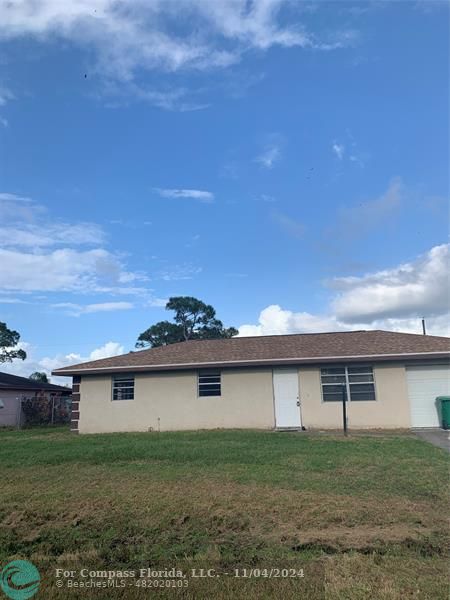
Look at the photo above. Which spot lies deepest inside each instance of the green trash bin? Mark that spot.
(445, 410)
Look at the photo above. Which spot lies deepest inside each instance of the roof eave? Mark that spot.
(33, 389)
(251, 363)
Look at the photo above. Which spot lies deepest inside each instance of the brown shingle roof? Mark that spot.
(275, 349)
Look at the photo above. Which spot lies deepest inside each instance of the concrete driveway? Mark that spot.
(437, 437)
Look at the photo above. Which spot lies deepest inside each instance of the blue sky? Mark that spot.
(286, 162)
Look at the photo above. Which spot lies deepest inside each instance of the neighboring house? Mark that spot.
(13, 389)
(282, 381)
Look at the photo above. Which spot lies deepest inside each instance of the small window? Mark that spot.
(359, 392)
(209, 383)
(123, 388)
(361, 383)
(358, 381)
(332, 393)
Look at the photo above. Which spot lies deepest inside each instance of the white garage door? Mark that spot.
(424, 385)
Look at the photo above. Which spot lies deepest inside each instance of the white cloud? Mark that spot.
(50, 234)
(254, 23)
(439, 325)
(16, 208)
(49, 363)
(75, 310)
(27, 263)
(107, 350)
(201, 195)
(25, 223)
(412, 289)
(141, 35)
(64, 270)
(393, 299)
(269, 156)
(273, 320)
(339, 150)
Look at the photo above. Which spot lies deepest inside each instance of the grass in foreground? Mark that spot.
(364, 516)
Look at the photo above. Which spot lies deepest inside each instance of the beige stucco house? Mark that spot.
(389, 380)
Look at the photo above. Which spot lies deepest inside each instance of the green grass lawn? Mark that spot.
(365, 516)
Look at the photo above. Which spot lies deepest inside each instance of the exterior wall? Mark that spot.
(169, 401)
(9, 415)
(389, 410)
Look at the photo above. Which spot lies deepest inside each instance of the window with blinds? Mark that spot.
(123, 387)
(358, 381)
(209, 383)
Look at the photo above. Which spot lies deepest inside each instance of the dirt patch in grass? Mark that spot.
(193, 516)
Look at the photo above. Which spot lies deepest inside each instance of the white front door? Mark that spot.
(287, 405)
(424, 385)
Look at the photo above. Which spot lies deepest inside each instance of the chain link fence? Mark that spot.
(44, 409)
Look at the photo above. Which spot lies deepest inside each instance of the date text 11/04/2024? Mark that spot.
(249, 573)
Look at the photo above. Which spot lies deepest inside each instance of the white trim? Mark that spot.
(271, 361)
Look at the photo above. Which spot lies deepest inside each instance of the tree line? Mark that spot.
(192, 320)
